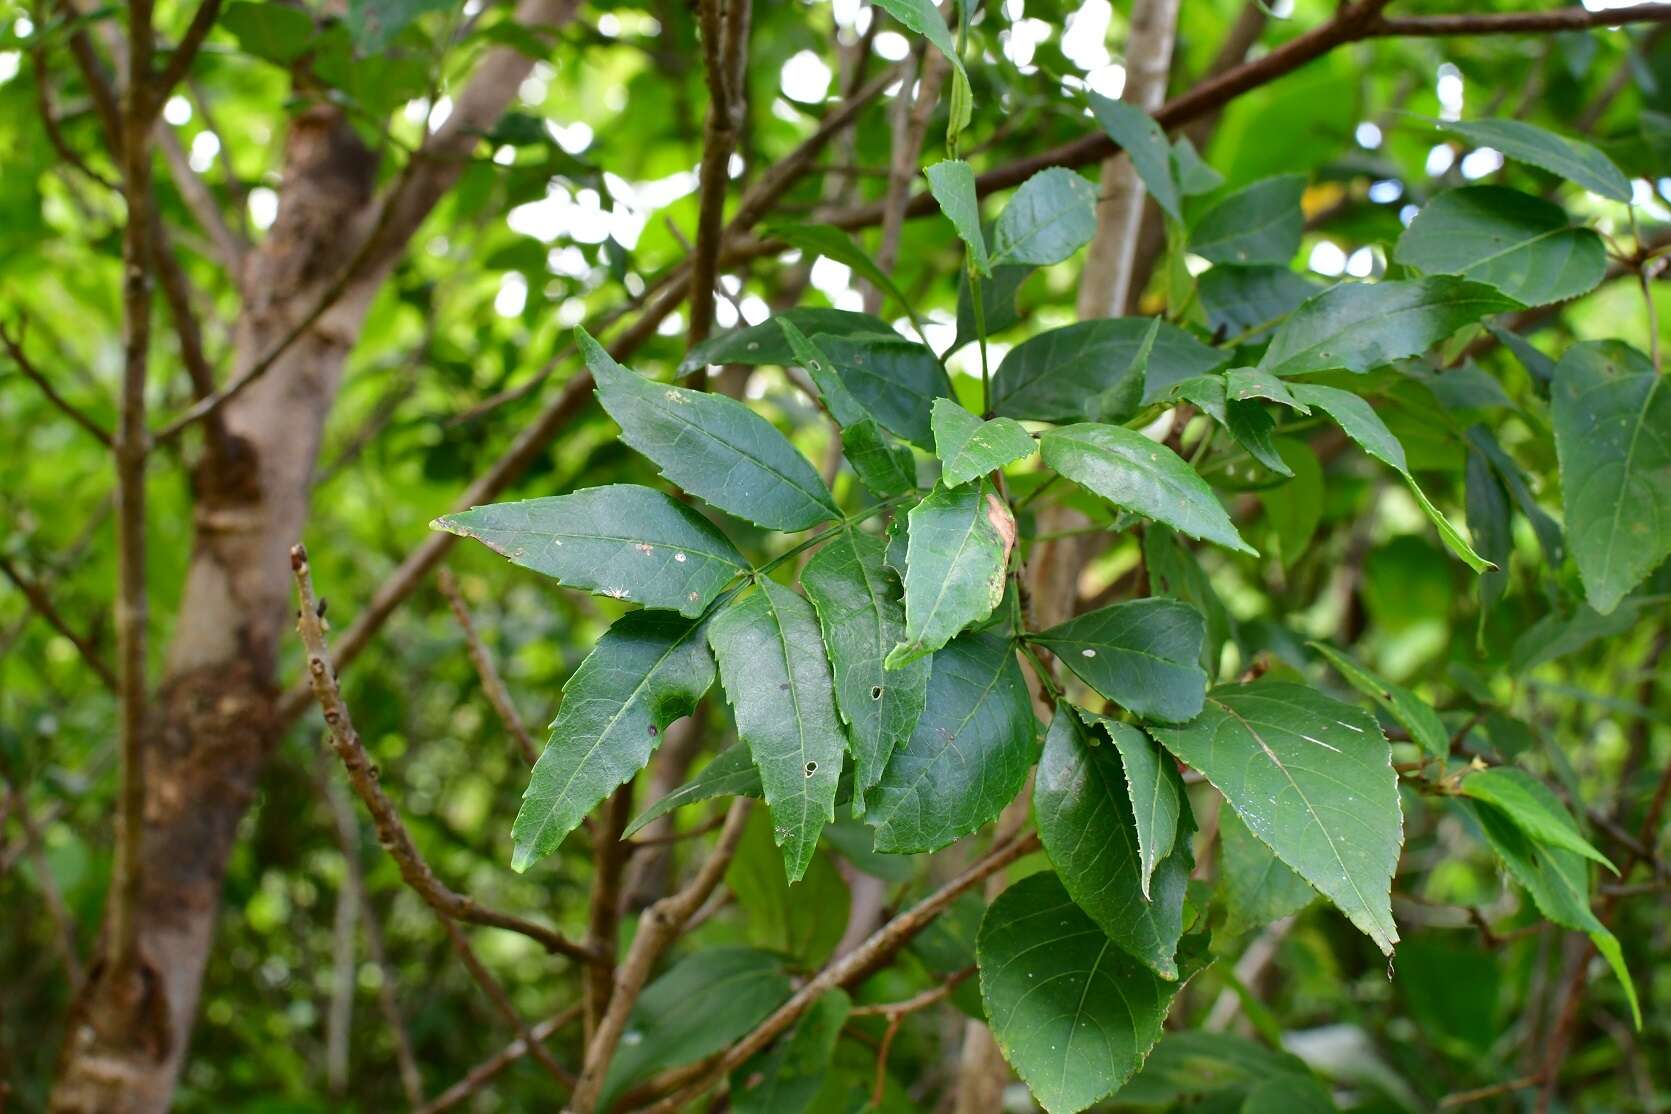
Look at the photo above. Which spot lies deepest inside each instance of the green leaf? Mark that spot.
(375, 23)
(647, 671)
(997, 302)
(968, 447)
(1145, 143)
(1260, 223)
(862, 619)
(1359, 326)
(1521, 245)
(1190, 1062)
(923, 17)
(1242, 383)
(772, 664)
(885, 468)
(1159, 805)
(959, 546)
(1487, 506)
(838, 400)
(787, 1079)
(274, 32)
(730, 774)
(1296, 508)
(1145, 655)
(766, 342)
(1258, 887)
(969, 755)
(1533, 809)
(1363, 425)
(1050, 217)
(1313, 779)
(1092, 371)
(1289, 1094)
(1085, 821)
(1612, 419)
(953, 186)
(1194, 176)
(1514, 480)
(712, 446)
(833, 243)
(1571, 159)
(621, 541)
(894, 379)
(1250, 300)
(1072, 1013)
(707, 1001)
(1559, 884)
(804, 922)
(1142, 476)
(1416, 714)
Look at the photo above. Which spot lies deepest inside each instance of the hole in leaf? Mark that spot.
(811, 768)
(876, 693)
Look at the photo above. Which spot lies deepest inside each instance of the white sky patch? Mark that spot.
(512, 296)
(204, 147)
(1480, 162)
(1328, 259)
(1439, 160)
(725, 314)
(416, 112)
(755, 309)
(805, 78)
(263, 207)
(1108, 80)
(1385, 191)
(1014, 9)
(891, 45)
(10, 61)
(1368, 135)
(1407, 214)
(573, 138)
(438, 115)
(671, 325)
(1449, 89)
(831, 278)
(1085, 35)
(1361, 263)
(177, 111)
(1022, 39)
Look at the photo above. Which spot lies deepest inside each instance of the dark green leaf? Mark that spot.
(1612, 419)
(1073, 1015)
(1359, 326)
(1251, 301)
(885, 468)
(275, 32)
(1571, 159)
(1145, 655)
(1050, 217)
(833, 243)
(838, 400)
(375, 23)
(1258, 887)
(1091, 370)
(803, 922)
(1364, 426)
(1194, 176)
(1083, 805)
(1416, 714)
(1296, 508)
(896, 380)
(1159, 805)
(787, 1079)
(1523, 246)
(1313, 779)
(647, 671)
(969, 755)
(997, 302)
(1145, 143)
(621, 541)
(772, 664)
(766, 343)
(1142, 476)
(959, 545)
(1559, 884)
(953, 186)
(1530, 805)
(862, 619)
(1289, 1094)
(730, 774)
(1258, 224)
(968, 447)
(712, 446)
(707, 1001)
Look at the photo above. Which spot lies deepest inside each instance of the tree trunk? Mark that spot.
(213, 722)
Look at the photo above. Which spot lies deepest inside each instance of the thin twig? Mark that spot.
(490, 1069)
(502, 1002)
(363, 777)
(14, 348)
(492, 684)
(853, 967)
(657, 928)
(725, 26)
(42, 605)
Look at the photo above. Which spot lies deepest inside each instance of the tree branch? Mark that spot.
(725, 25)
(363, 777)
(14, 348)
(853, 967)
(42, 605)
(657, 928)
(488, 1070)
(492, 684)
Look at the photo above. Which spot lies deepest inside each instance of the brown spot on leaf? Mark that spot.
(1002, 521)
